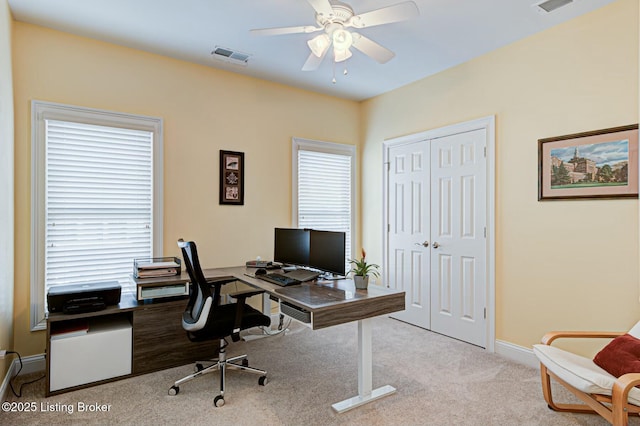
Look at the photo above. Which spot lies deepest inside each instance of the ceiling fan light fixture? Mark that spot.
(334, 18)
(319, 44)
(342, 39)
(341, 55)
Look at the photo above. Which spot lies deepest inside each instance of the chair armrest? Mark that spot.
(548, 338)
(217, 283)
(621, 388)
(221, 280)
(242, 298)
(245, 294)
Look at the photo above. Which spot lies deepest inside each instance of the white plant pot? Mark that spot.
(361, 282)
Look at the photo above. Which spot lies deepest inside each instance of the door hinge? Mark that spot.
(485, 232)
(388, 227)
(485, 313)
(485, 151)
(388, 163)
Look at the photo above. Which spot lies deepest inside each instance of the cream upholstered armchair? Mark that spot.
(605, 384)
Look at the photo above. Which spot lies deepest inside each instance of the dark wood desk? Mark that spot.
(331, 303)
(326, 303)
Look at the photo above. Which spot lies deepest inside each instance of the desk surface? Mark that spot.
(330, 302)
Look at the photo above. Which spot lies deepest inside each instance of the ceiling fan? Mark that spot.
(335, 18)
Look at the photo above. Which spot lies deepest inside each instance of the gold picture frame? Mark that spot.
(596, 164)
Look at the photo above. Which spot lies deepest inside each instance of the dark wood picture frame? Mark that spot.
(596, 164)
(231, 177)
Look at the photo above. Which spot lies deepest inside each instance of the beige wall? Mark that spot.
(204, 110)
(560, 264)
(6, 186)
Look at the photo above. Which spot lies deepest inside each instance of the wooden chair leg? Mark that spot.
(620, 416)
(620, 397)
(546, 387)
(548, 396)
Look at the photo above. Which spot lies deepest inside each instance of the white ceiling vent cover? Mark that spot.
(231, 56)
(549, 6)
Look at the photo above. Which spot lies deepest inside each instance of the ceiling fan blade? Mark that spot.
(371, 48)
(285, 30)
(313, 62)
(321, 7)
(386, 15)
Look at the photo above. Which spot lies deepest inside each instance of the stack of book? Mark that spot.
(156, 267)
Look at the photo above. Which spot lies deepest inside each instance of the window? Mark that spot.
(323, 188)
(96, 197)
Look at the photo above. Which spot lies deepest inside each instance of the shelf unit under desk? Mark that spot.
(156, 341)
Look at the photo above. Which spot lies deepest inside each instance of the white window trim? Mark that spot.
(41, 111)
(329, 148)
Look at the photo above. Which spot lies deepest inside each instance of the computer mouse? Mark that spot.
(261, 271)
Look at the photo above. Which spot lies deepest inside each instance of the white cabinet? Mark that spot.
(103, 351)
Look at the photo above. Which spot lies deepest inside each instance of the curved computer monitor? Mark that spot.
(327, 251)
(291, 246)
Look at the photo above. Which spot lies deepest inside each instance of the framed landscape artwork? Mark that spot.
(231, 177)
(597, 164)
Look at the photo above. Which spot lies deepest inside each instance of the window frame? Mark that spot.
(41, 111)
(301, 144)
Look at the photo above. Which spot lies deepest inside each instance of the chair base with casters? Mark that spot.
(221, 364)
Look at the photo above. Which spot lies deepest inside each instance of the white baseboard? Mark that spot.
(30, 364)
(516, 353)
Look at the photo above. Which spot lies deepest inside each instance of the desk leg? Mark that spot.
(365, 372)
(266, 304)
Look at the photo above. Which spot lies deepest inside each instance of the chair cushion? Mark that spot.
(221, 324)
(579, 372)
(620, 356)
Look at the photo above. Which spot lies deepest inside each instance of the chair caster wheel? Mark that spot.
(174, 390)
(218, 401)
(199, 367)
(245, 362)
(263, 380)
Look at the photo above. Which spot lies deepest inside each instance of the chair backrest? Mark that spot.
(201, 298)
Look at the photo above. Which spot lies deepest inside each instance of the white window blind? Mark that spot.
(96, 197)
(324, 188)
(98, 202)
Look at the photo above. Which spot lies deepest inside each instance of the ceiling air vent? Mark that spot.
(231, 56)
(549, 6)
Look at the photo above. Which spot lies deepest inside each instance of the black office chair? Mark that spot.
(206, 319)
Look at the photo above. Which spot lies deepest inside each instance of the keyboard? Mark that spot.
(279, 279)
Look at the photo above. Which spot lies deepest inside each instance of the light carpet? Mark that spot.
(439, 381)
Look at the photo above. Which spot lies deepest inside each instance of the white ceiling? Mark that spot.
(447, 33)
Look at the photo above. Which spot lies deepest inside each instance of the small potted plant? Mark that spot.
(361, 271)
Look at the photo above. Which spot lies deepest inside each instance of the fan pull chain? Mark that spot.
(344, 72)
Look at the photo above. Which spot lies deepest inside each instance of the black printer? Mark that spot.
(85, 297)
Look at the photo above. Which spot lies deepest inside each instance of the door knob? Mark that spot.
(435, 244)
(425, 244)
